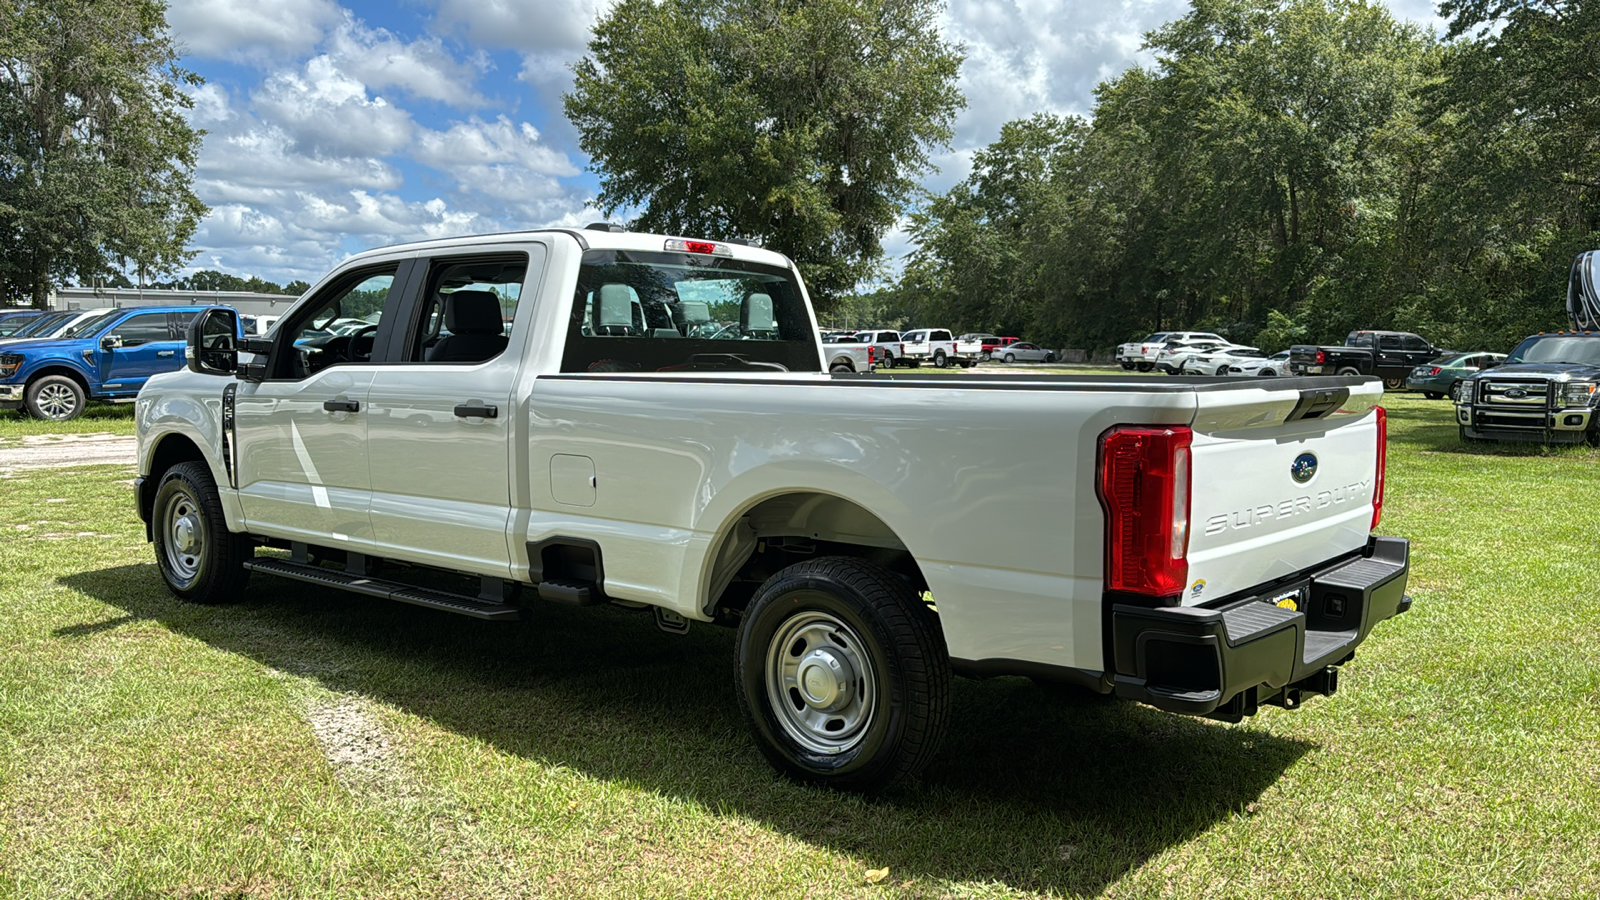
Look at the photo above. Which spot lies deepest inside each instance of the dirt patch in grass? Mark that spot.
(56, 451)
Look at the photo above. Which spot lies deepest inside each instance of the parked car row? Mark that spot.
(937, 347)
(59, 362)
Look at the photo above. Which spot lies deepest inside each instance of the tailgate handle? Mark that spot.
(1318, 402)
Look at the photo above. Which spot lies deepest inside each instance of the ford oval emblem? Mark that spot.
(1516, 393)
(1304, 468)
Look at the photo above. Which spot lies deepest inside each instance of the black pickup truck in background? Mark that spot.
(1390, 355)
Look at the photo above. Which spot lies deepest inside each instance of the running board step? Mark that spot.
(387, 590)
(569, 593)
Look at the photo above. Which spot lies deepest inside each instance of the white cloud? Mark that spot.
(250, 29)
(532, 26)
(328, 112)
(422, 68)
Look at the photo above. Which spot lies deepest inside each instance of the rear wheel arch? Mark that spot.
(784, 528)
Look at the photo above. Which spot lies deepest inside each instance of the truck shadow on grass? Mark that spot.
(1031, 790)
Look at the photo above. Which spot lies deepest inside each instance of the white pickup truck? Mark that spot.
(941, 348)
(564, 416)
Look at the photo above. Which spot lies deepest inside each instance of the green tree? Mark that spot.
(803, 124)
(95, 155)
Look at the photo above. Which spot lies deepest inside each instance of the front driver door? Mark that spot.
(302, 432)
(141, 342)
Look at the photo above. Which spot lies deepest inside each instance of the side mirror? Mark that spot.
(213, 342)
(110, 342)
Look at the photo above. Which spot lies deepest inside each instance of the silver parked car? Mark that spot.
(1022, 351)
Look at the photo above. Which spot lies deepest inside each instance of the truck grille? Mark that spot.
(1510, 395)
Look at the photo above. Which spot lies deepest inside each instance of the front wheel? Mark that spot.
(56, 398)
(200, 559)
(1455, 392)
(1221, 371)
(843, 675)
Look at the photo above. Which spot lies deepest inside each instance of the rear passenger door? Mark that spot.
(440, 418)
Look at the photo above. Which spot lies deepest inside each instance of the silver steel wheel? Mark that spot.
(57, 401)
(183, 527)
(820, 682)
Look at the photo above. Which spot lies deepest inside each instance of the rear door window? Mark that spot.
(641, 311)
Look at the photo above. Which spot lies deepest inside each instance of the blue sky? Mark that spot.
(337, 126)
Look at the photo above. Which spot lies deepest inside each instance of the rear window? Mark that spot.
(664, 312)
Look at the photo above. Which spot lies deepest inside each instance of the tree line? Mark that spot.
(1287, 172)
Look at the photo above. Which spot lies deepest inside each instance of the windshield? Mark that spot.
(1582, 350)
(89, 324)
(42, 325)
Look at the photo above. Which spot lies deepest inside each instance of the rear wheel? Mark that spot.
(200, 559)
(56, 398)
(1348, 370)
(1127, 365)
(1267, 373)
(843, 675)
(1145, 367)
(1433, 395)
(1011, 357)
(888, 361)
(1393, 384)
(939, 360)
(1222, 370)
(840, 367)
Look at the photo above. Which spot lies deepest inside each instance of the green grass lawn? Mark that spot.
(106, 418)
(309, 743)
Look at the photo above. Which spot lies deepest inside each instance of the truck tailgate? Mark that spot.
(1281, 480)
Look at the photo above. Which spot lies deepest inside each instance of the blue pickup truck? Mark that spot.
(106, 357)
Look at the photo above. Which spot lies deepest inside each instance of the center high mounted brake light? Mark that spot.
(710, 248)
(1144, 490)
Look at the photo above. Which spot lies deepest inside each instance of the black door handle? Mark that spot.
(341, 405)
(481, 410)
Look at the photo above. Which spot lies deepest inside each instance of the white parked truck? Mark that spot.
(560, 417)
(939, 347)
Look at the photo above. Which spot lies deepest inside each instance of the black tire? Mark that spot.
(914, 363)
(939, 360)
(1348, 370)
(1455, 392)
(1128, 366)
(888, 361)
(1266, 373)
(1011, 357)
(55, 398)
(1221, 371)
(1145, 367)
(840, 367)
(1394, 384)
(841, 614)
(1432, 395)
(199, 558)
(1051, 357)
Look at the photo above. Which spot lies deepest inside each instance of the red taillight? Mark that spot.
(1321, 357)
(870, 357)
(1434, 371)
(1383, 465)
(1144, 489)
